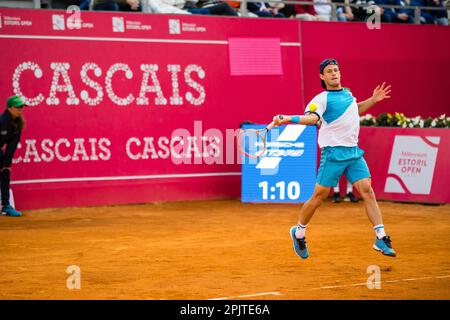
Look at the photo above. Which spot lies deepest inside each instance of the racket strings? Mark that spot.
(253, 142)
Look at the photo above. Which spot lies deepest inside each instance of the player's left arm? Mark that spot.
(379, 94)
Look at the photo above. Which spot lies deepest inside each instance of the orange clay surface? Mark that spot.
(223, 249)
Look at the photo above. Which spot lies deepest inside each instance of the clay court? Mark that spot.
(222, 249)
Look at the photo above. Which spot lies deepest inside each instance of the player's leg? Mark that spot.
(358, 174)
(328, 176)
(364, 188)
(307, 211)
(309, 208)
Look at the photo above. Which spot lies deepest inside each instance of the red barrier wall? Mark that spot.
(117, 103)
(414, 59)
(408, 164)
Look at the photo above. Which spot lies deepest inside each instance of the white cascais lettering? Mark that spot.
(61, 70)
(150, 69)
(197, 147)
(37, 71)
(109, 88)
(195, 85)
(180, 148)
(120, 84)
(174, 69)
(145, 148)
(91, 84)
(76, 149)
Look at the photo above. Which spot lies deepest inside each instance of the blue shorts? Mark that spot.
(336, 161)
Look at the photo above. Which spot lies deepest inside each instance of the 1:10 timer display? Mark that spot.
(280, 190)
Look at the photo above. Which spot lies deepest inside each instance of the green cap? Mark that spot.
(15, 102)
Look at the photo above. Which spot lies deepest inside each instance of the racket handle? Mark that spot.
(272, 124)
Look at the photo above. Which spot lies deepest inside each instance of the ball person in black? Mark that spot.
(11, 126)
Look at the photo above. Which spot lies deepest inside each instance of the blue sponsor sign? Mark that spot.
(286, 172)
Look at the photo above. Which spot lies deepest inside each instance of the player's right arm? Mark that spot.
(313, 113)
(309, 119)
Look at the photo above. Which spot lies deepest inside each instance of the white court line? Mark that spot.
(250, 295)
(341, 286)
(378, 282)
(275, 293)
(117, 178)
(222, 42)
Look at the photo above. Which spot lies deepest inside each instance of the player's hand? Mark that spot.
(381, 92)
(278, 120)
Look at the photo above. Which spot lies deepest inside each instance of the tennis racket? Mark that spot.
(253, 142)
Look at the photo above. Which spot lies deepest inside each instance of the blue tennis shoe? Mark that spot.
(10, 211)
(300, 247)
(385, 246)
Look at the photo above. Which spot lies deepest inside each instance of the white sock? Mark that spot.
(379, 230)
(300, 232)
(349, 187)
(336, 189)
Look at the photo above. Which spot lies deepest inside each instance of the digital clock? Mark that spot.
(287, 170)
(281, 190)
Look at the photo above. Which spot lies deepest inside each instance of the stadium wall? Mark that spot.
(408, 165)
(132, 108)
(414, 59)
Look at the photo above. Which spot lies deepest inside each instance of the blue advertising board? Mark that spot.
(286, 172)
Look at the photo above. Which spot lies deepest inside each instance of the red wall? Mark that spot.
(408, 164)
(417, 67)
(414, 59)
(56, 165)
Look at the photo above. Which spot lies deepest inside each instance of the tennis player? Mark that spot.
(339, 112)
